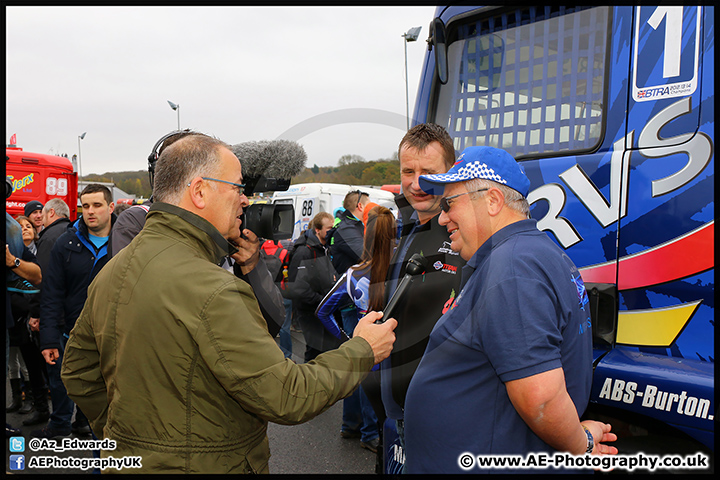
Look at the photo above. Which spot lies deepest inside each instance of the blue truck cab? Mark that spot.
(610, 110)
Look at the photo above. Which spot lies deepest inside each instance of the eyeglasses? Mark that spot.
(240, 187)
(445, 205)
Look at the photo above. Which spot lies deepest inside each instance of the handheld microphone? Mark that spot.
(415, 266)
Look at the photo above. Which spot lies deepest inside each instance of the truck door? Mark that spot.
(662, 366)
(665, 242)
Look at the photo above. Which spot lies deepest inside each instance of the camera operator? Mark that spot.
(246, 265)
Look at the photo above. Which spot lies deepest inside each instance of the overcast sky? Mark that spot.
(238, 73)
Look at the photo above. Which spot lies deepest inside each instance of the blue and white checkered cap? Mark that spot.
(488, 163)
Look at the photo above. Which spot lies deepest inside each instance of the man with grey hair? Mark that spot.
(171, 357)
(513, 355)
(129, 224)
(56, 218)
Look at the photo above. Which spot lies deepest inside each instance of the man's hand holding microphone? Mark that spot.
(380, 336)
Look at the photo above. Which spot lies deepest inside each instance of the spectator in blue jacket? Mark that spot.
(75, 259)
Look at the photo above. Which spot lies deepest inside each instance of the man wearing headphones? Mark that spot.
(132, 220)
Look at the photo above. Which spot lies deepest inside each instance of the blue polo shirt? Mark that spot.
(522, 311)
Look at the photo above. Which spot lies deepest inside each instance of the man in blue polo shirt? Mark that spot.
(508, 369)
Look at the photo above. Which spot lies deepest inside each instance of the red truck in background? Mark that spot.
(41, 177)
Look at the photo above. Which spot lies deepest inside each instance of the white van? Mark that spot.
(310, 198)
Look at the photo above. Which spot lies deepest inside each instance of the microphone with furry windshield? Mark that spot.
(268, 166)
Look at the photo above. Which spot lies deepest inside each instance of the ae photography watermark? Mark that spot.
(605, 463)
(19, 461)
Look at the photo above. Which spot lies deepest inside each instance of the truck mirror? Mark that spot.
(439, 39)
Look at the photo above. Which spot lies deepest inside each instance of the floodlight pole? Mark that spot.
(176, 107)
(80, 137)
(410, 36)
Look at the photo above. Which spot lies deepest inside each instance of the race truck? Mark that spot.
(38, 176)
(610, 111)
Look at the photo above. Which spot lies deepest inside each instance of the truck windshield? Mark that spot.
(530, 81)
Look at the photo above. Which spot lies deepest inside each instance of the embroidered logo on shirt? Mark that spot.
(445, 248)
(581, 292)
(446, 268)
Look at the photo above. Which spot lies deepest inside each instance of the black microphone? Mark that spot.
(415, 266)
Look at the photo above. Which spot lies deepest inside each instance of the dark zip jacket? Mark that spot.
(311, 274)
(74, 262)
(47, 238)
(346, 244)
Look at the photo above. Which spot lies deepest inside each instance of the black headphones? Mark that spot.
(153, 157)
(155, 154)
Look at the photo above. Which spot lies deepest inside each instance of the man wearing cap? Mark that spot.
(508, 369)
(33, 211)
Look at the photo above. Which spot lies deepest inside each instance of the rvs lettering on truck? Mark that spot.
(610, 111)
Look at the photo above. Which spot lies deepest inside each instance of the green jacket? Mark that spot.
(171, 357)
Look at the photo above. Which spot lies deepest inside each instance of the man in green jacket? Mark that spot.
(171, 357)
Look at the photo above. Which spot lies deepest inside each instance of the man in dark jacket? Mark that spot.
(425, 149)
(75, 259)
(346, 244)
(310, 276)
(55, 216)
